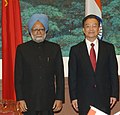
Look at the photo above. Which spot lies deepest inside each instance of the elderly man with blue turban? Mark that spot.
(39, 73)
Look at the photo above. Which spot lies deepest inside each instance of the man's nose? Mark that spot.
(39, 31)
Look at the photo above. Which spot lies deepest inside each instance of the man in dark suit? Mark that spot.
(93, 71)
(39, 74)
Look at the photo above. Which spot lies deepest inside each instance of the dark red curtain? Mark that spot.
(11, 37)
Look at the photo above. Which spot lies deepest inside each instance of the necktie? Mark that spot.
(93, 56)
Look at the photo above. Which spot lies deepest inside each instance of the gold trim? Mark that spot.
(6, 3)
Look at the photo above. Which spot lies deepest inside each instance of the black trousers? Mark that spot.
(39, 113)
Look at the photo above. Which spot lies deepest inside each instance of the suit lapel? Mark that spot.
(100, 54)
(86, 56)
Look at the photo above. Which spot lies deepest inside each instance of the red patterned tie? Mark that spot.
(93, 56)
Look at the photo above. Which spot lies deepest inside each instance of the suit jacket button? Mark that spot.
(40, 57)
(95, 86)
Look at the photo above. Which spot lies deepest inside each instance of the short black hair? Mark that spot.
(89, 17)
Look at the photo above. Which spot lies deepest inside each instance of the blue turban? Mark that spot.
(38, 17)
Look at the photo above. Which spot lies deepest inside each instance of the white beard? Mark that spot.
(38, 39)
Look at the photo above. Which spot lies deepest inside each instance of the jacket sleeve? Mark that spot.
(59, 73)
(114, 73)
(18, 74)
(72, 74)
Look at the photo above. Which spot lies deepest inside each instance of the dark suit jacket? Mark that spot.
(89, 87)
(38, 66)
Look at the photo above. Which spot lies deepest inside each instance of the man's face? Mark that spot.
(38, 32)
(91, 29)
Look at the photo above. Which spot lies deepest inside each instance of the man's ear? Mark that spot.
(99, 30)
(83, 30)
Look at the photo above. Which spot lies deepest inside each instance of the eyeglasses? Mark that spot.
(38, 29)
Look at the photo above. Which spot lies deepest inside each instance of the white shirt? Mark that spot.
(95, 42)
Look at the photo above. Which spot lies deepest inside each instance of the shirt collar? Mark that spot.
(89, 43)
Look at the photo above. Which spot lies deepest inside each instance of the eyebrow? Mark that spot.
(90, 23)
